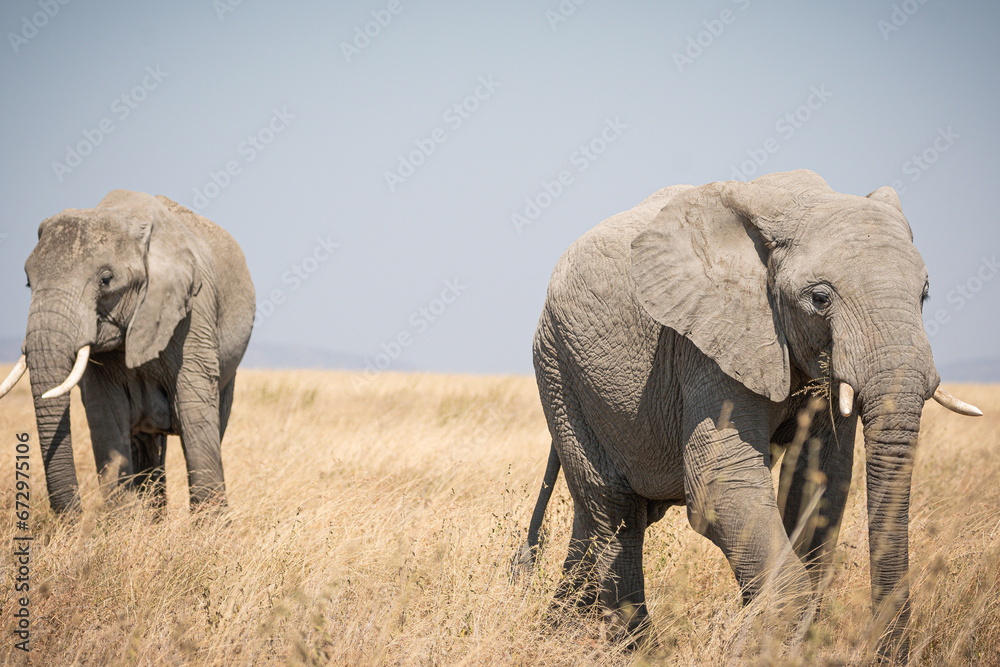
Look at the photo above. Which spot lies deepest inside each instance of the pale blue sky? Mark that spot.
(328, 128)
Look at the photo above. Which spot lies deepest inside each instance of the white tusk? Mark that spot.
(846, 399)
(955, 404)
(74, 375)
(14, 376)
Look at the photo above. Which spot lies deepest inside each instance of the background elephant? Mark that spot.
(672, 350)
(161, 302)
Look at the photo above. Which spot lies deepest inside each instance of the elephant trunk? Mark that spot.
(48, 369)
(890, 413)
(57, 330)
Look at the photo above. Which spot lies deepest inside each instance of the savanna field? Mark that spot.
(374, 521)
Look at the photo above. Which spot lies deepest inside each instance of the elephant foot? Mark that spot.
(892, 651)
(578, 594)
(67, 505)
(522, 564)
(210, 511)
(628, 624)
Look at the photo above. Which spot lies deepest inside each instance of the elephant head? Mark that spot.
(784, 278)
(118, 276)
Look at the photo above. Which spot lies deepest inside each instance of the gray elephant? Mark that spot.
(159, 301)
(671, 354)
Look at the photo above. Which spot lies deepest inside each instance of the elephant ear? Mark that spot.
(886, 195)
(172, 278)
(701, 269)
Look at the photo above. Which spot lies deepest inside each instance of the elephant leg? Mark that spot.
(199, 427)
(578, 585)
(604, 562)
(108, 414)
(729, 491)
(198, 417)
(815, 480)
(149, 452)
(623, 588)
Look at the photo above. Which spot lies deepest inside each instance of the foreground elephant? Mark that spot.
(160, 301)
(671, 352)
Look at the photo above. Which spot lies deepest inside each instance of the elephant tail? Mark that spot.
(526, 557)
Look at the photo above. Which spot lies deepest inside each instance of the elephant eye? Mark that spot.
(820, 300)
(106, 280)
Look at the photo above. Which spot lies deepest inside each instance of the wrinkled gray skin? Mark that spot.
(730, 292)
(164, 298)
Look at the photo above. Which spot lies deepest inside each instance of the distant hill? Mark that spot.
(259, 355)
(275, 355)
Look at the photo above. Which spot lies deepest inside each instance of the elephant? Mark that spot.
(156, 305)
(678, 344)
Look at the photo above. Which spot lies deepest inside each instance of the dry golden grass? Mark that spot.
(374, 521)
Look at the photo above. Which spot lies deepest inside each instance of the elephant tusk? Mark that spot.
(14, 376)
(955, 404)
(846, 399)
(74, 375)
